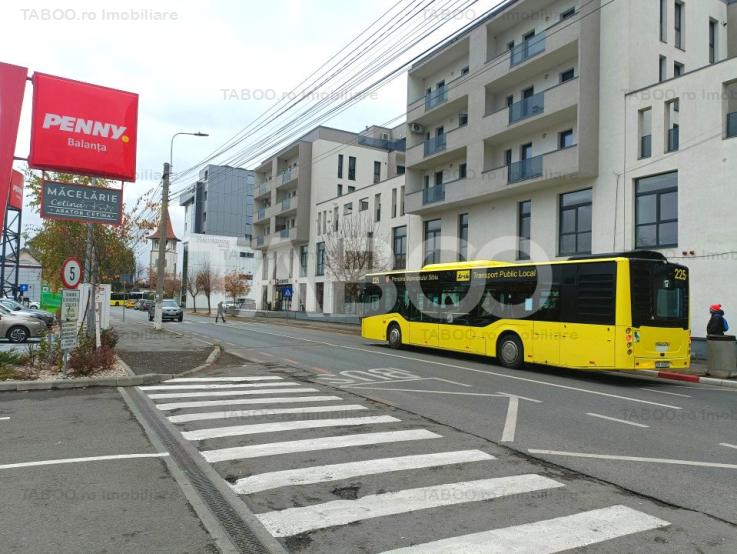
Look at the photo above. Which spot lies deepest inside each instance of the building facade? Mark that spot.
(568, 127)
(171, 254)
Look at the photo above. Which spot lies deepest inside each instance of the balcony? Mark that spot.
(385, 144)
(527, 107)
(287, 176)
(732, 125)
(673, 139)
(646, 146)
(433, 194)
(261, 189)
(528, 49)
(434, 145)
(288, 204)
(436, 97)
(261, 214)
(261, 241)
(524, 170)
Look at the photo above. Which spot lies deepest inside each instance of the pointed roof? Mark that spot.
(169, 231)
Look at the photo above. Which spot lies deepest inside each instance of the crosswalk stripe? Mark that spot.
(219, 386)
(245, 401)
(335, 472)
(222, 379)
(311, 445)
(227, 393)
(204, 416)
(256, 428)
(292, 521)
(545, 537)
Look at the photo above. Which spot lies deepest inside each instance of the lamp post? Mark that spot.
(161, 262)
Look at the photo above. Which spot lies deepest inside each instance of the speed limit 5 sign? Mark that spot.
(71, 273)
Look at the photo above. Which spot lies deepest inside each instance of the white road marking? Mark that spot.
(618, 420)
(548, 536)
(253, 328)
(666, 392)
(4, 418)
(666, 461)
(311, 445)
(228, 393)
(88, 459)
(219, 386)
(279, 426)
(363, 387)
(510, 424)
(521, 397)
(335, 472)
(218, 379)
(292, 521)
(203, 416)
(244, 401)
(728, 445)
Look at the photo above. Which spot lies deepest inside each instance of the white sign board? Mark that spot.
(69, 318)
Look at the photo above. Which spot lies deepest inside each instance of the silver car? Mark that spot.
(19, 327)
(46, 317)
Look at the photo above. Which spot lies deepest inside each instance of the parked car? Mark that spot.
(248, 304)
(18, 326)
(147, 303)
(131, 303)
(34, 305)
(13, 306)
(169, 310)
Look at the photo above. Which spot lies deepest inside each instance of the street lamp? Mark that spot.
(161, 262)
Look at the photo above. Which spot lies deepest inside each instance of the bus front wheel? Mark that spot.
(510, 351)
(394, 336)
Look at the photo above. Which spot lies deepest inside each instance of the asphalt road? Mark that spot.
(675, 444)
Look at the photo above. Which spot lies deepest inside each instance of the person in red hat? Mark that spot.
(717, 323)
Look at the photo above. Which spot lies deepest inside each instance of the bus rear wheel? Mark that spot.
(394, 336)
(510, 351)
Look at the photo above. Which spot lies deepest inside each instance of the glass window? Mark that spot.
(303, 261)
(565, 139)
(377, 172)
(524, 230)
(377, 207)
(462, 171)
(399, 247)
(394, 202)
(462, 237)
(351, 168)
(320, 265)
(575, 223)
(432, 241)
(462, 119)
(656, 211)
(363, 204)
(679, 25)
(567, 75)
(663, 69)
(340, 166)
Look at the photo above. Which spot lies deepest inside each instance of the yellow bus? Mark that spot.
(620, 311)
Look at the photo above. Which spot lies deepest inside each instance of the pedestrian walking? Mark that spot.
(717, 325)
(220, 313)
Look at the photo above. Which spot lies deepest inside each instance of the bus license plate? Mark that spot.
(662, 365)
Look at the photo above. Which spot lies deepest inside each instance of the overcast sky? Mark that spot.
(186, 67)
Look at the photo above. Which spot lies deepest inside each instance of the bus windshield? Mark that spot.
(659, 294)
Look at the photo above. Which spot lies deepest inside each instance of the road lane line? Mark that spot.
(666, 392)
(520, 397)
(365, 387)
(219, 386)
(290, 361)
(618, 420)
(464, 368)
(223, 379)
(4, 418)
(206, 416)
(311, 445)
(227, 393)
(728, 445)
(266, 354)
(336, 472)
(510, 424)
(281, 426)
(244, 401)
(88, 459)
(548, 536)
(292, 521)
(666, 461)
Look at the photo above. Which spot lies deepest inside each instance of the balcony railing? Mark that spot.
(434, 145)
(523, 170)
(287, 175)
(529, 48)
(386, 144)
(432, 194)
(436, 97)
(646, 146)
(732, 125)
(260, 240)
(263, 188)
(285, 204)
(284, 233)
(673, 139)
(260, 214)
(527, 107)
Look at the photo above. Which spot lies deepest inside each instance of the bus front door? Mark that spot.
(546, 343)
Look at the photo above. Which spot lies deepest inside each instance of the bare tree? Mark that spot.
(351, 251)
(209, 281)
(193, 288)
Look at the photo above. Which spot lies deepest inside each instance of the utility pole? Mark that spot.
(89, 264)
(161, 263)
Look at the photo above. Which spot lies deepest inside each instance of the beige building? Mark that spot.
(567, 127)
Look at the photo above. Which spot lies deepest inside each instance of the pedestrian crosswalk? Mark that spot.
(272, 439)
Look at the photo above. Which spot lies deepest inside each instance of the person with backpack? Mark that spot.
(717, 325)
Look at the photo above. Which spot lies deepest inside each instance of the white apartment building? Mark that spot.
(303, 193)
(555, 128)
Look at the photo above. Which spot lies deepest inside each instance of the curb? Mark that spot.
(211, 359)
(85, 382)
(690, 378)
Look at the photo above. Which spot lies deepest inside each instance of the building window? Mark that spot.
(462, 119)
(507, 158)
(575, 223)
(320, 262)
(462, 171)
(432, 241)
(464, 70)
(400, 170)
(303, 261)
(568, 14)
(348, 208)
(351, 189)
(664, 20)
(399, 247)
(678, 69)
(401, 200)
(673, 137)
(646, 138)
(363, 204)
(510, 100)
(319, 222)
(340, 190)
(713, 30)
(656, 211)
(462, 237)
(340, 166)
(377, 207)
(567, 75)
(663, 69)
(523, 230)
(679, 24)
(565, 139)
(394, 202)
(377, 172)
(351, 168)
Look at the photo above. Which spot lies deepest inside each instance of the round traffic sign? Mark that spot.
(71, 273)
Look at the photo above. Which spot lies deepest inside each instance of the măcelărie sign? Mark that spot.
(81, 203)
(83, 128)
